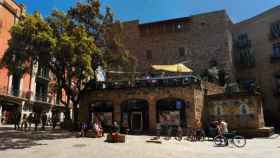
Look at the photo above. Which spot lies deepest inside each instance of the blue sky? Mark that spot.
(154, 10)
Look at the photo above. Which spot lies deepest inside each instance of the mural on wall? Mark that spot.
(230, 107)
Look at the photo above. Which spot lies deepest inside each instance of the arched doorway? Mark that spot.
(171, 112)
(103, 111)
(135, 115)
(7, 110)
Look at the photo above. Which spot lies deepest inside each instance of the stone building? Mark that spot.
(249, 51)
(257, 54)
(243, 112)
(199, 41)
(190, 106)
(27, 93)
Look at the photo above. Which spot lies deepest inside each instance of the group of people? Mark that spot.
(99, 131)
(33, 118)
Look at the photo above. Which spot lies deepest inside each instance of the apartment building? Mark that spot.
(30, 92)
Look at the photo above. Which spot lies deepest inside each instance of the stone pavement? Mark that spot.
(62, 144)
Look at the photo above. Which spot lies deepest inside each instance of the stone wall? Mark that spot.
(264, 71)
(241, 111)
(151, 95)
(204, 37)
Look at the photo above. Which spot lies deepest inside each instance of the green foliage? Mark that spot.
(72, 46)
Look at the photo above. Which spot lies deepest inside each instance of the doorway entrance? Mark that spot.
(135, 115)
(136, 121)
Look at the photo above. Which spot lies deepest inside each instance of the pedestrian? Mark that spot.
(36, 120)
(24, 122)
(30, 120)
(54, 120)
(44, 119)
(84, 129)
(16, 119)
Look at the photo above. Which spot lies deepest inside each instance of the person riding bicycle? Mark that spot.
(223, 128)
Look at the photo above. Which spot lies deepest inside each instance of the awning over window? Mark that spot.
(172, 68)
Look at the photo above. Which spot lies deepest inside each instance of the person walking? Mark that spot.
(36, 120)
(16, 119)
(54, 120)
(30, 120)
(24, 122)
(44, 119)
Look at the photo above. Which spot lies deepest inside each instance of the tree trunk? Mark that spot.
(67, 111)
(75, 116)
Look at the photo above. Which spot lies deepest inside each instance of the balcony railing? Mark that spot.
(14, 93)
(170, 81)
(49, 99)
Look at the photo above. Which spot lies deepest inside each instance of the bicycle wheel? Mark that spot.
(239, 141)
(220, 141)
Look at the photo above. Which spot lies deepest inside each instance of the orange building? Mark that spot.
(30, 92)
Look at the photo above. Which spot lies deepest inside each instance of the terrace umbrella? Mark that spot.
(172, 68)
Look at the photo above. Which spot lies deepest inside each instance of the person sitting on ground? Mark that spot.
(83, 129)
(116, 132)
(98, 129)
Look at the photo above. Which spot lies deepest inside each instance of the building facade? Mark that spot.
(144, 109)
(27, 93)
(199, 41)
(248, 51)
(257, 54)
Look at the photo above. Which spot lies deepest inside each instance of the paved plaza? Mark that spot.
(62, 144)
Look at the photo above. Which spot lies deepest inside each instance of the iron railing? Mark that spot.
(14, 92)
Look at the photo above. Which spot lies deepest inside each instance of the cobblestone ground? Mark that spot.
(62, 144)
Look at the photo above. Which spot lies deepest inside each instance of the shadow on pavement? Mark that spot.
(16, 139)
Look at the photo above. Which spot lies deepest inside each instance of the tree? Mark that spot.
(69, 47)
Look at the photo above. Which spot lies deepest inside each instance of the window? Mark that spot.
(275, 30)
(276, 50)
(15, 85)
(43, 72)
(243, 41)
(149, 54)
(182, 52)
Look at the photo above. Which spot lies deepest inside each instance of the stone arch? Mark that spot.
(171, 111)
(135, 114)
(7, 109)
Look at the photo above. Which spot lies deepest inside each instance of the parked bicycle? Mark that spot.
(233, 138)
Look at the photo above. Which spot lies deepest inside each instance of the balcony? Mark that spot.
(243, 44)
(4, 91)
(43, 77)
(43, 99)
(274, 31)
